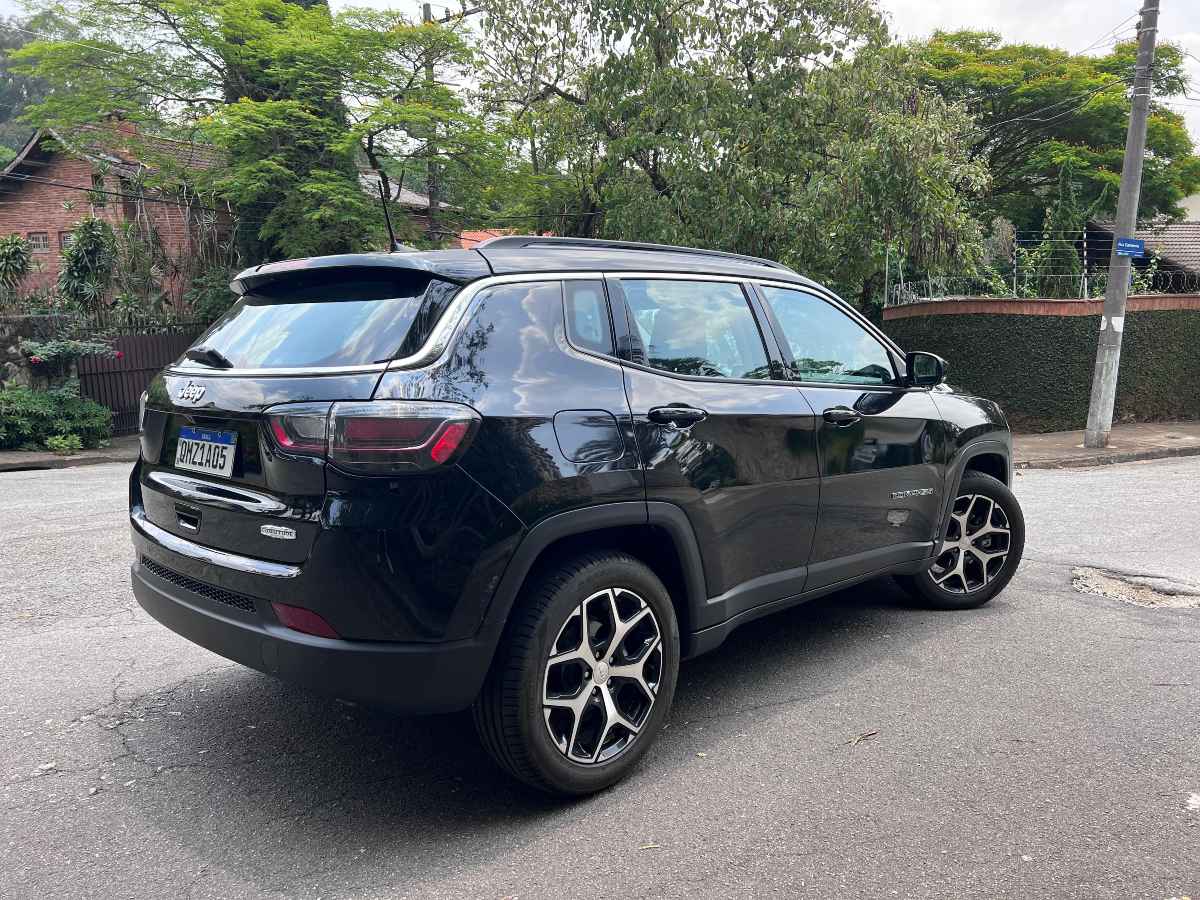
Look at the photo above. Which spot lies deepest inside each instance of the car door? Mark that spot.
(879, 442)
(719, 436)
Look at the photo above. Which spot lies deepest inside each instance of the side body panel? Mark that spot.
(557, 432)
(882, 480)
(745, 476)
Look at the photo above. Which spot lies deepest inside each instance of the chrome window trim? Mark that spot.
(456, 315)
(311, 371)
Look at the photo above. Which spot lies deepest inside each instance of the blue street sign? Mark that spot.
(1130, 247)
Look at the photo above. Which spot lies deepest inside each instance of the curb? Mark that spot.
(1108, 459)
(62, 462)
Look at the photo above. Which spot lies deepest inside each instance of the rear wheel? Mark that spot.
(984, 540)
(585, 676)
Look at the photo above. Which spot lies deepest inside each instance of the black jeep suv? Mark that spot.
(530, 478)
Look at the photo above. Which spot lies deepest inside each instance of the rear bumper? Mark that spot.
(403, 677)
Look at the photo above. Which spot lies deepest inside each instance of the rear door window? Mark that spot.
(333, 318)
(701, 328)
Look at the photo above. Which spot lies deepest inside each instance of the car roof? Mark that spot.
(515, 255)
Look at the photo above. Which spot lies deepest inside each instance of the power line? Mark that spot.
(1105, 36)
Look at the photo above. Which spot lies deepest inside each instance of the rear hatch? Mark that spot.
(226, 429)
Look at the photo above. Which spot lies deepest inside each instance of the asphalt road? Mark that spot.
(1045, 746)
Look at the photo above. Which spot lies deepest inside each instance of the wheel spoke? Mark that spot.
(636, 671)
(623, 628)
(956, 569)
(612, 718)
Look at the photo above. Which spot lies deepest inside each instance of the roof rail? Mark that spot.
(517, 241)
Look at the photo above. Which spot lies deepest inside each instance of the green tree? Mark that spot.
(1040, 108)
(18, 91)
(298, 100)
(785, 129)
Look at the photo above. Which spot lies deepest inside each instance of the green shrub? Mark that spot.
(1039, 368)
(87, 264)
(64, 444)
(32, 418)
(16, 260)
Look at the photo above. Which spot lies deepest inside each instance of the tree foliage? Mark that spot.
(298, 99)
(1040, 109)
(783, 129)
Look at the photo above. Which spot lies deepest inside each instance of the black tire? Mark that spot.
(978, 583)
(509, 712)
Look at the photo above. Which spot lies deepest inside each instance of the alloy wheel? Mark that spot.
(602, 676)
(976, 546)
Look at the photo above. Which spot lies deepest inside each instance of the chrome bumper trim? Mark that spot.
(178, 545)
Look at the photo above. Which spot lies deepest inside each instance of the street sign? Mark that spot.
(1130, 247)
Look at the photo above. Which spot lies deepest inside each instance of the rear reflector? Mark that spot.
(299, 619)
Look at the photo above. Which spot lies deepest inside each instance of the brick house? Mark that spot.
(56, 180)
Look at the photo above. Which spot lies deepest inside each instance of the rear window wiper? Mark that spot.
(209, 356)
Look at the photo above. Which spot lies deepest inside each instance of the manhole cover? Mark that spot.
(1140, 590)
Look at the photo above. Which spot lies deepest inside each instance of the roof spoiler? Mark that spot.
(458, 266)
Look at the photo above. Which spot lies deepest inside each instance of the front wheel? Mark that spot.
(584, 678)
(985, 537)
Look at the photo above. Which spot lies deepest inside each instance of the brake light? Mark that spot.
(377, 437)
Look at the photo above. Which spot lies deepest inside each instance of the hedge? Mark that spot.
(1039, 368)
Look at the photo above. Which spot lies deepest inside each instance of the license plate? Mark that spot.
(206, 450)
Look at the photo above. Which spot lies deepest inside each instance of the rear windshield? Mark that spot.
(331, 318)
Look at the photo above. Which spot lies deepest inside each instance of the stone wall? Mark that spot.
(14, 367)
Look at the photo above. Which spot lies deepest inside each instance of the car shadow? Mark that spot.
(300, 786)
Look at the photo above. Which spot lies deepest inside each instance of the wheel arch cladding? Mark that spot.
(989, 463)
(661, 539)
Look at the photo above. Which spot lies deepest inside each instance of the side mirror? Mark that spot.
(924, 369)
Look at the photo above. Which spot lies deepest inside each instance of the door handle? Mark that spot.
(840, 415)
(681, 416)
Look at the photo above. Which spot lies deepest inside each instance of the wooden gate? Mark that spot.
(118, 383)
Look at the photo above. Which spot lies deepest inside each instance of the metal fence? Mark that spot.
(118, 382)
(1031, 285)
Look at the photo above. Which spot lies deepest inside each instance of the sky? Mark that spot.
(1070, 24)
(1073, 25)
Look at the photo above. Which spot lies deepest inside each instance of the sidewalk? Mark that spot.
(120, 450)
(1064, 449)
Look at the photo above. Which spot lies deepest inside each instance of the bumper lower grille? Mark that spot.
(220, 595)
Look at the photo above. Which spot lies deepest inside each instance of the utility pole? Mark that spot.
(1112, 322)
(431, 171)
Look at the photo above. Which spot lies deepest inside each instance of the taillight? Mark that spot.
(300, 427)
(377, 437)
(384, 437)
